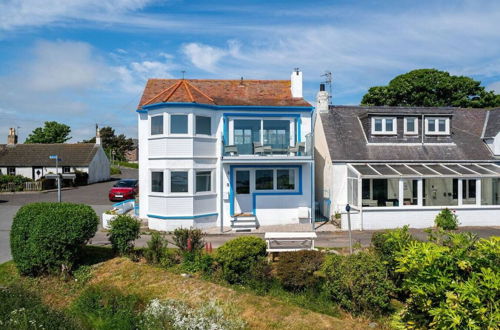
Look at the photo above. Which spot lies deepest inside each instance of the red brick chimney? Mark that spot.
(12, 137)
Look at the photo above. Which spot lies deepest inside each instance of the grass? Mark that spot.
(127, 164)
(148, 282)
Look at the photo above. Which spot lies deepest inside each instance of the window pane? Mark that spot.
(389, 125)
(203, 125)
(442, 125)
(431, 125)
(352, 191)
(156, 125)
(439, 192)
(410, 124)
(245, 133)
(378, 125)
(469, 191)
(490, 191)
(385, 193)
(410, 192)
(286, 179)
(203, 181)
(277, 135)
(242, 182)
(178, 124)
(263, 179)
(365, 189)
(179, 181)
(157, 181)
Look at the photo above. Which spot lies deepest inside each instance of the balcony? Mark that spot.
(271, 150)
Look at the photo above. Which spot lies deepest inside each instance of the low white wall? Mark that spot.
(171, 224)
(424, 217)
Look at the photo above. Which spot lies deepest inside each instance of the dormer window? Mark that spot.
(437, 126)
(384, 125)
(411, 125)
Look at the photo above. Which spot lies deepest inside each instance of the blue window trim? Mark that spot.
(145, 108)
(255, 194)
(182, 217)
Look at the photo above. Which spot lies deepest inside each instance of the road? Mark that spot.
(95, 195)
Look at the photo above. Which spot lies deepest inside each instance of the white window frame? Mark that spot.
(189, 182)
(163, 115)
(212, 181)
(151, 181)
(384, 130)
(436, 131)
(406, 131)
(11, 172)
(187, 123)
(195, 126)
(293, 133)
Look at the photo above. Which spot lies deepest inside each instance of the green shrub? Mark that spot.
(127, 164)
(452, 286)
(16, 179)
(124, 230)
(447, 220)
(183, 235)
(114, 170)
(101, 307)
(155, 249)
(198, 262)
(260, 278)
(47, 237)
(171, 258)
(236, 257)
(388, 245)
(358, 283)
(295, 270)
(20, 309)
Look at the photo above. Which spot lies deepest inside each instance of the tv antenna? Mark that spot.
(183, 73)
(328, 82)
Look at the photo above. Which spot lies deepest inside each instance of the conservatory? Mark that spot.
(386, 195)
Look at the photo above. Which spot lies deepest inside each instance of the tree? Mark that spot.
(431, 88)
(110, 141)
(52, 132)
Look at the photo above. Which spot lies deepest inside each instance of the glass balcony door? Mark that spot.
(246, 132)
(276, 134)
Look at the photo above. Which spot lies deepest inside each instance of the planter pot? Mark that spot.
(106, 219)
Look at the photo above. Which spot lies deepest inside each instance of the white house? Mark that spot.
(400, 166)
(225, 153)
(32, 160)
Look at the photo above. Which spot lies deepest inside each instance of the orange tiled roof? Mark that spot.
(221, 92)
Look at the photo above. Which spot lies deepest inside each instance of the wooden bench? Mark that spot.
(289, 241)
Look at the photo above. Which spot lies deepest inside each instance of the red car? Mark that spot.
(124, 189)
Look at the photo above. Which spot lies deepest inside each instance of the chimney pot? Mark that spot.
(12, 137)
(321, 87)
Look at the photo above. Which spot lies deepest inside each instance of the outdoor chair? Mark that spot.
(298, 148)
(231, 150)
(258, 148)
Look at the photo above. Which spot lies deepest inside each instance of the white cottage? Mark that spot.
(33, 160)
(400, 166)
(225, 153)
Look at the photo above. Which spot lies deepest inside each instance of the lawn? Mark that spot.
(148, 282)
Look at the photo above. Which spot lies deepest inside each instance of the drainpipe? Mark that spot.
(313, 211)
(221, 194)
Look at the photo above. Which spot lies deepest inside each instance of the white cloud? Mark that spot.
(495, 87)
(19, 13)
(202, 56)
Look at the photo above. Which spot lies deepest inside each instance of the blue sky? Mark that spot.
(83, 62)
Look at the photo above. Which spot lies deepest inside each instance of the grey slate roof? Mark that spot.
(492, 124)
(78, 154)
(347, 142)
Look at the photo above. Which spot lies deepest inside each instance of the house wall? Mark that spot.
(323, 170)
(27, 171)
(190, 152)
(494, 144)
(99, 167)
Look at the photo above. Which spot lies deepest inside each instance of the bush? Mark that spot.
(447, 220)
(127, 164)
(47, 237)
(388, 245)
(171, 258)
(198, 262)
(81, 178)
(174, 314)
(236, 257)
(20, 309)
(16, 179)
(183, 235)
(101, 307)
(358, 283)
(452, 286)
(295, 269)
(155, 249)
(114, 170)
(124, 230)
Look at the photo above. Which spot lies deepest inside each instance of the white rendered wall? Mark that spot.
(99, 167)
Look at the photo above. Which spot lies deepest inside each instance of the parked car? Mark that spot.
(124, 189)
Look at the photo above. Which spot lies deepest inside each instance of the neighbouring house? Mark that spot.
(400, 166)
(225, 153)
(132, 156)
(32, 160)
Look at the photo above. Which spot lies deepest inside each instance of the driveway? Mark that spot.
(95, 195)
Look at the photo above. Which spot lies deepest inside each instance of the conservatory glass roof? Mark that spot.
(412, 170)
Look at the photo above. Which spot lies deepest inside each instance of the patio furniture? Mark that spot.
(258, 148)
(298, 148)
(289, 241)
(369, 203)
(231, 150)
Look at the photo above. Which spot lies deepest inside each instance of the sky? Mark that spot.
(82, 62)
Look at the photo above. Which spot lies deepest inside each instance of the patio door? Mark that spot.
(243, 196)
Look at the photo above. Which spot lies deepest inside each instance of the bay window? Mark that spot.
(179, 181)
(157, 181)
(203, 181)
(157, 125)
(178, 124)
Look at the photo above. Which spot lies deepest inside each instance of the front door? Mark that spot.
(243, 196)
(37, 173)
